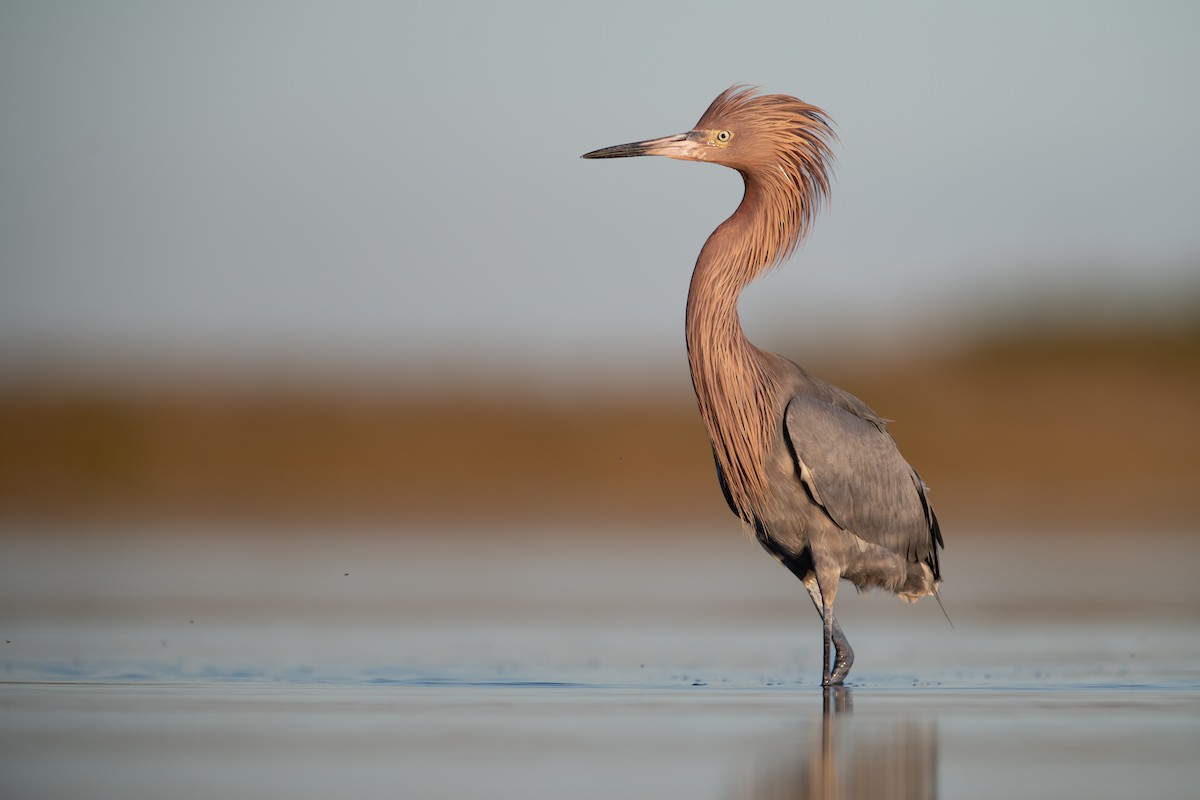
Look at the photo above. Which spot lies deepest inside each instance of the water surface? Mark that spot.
(585, 663)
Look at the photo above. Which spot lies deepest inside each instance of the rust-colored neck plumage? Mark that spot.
(736, 391)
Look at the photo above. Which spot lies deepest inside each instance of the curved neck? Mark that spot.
(735, 254)
(734, 390)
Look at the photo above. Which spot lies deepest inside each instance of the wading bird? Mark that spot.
(807, 466)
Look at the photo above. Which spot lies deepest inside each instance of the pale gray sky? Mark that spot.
(400, 182)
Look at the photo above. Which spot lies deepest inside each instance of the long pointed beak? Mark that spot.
(681, 145)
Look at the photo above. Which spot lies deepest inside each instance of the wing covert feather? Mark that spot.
(851, 467)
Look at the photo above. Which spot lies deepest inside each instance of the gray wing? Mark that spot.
(851, 467)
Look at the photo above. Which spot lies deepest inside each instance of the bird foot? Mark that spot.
(841, 668)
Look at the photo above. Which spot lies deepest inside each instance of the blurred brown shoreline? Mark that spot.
(1075, 430)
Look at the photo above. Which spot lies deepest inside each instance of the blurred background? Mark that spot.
(306, 261)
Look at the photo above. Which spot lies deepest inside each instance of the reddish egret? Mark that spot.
(810, 468)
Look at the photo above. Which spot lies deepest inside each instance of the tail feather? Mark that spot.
(919, 582)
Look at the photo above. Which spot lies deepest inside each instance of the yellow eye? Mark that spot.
(724, 136)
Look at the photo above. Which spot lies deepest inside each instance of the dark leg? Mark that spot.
(845, 657)
(827, 584)
(827, 623)
(844, 654)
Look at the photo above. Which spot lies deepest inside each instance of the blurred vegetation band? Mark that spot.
(1084, 431)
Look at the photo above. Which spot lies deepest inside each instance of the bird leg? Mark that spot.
(833, 635)
(845, 655)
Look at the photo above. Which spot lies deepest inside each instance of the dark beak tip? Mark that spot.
(619, 151)
(596, 154)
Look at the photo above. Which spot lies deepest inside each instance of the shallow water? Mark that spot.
(203, 663)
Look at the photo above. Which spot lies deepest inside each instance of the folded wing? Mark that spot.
(851, 467)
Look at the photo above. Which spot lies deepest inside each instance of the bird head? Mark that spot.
(752, 133)
(779, 144)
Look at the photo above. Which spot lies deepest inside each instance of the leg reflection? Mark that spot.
(848, 755)
(835, 700)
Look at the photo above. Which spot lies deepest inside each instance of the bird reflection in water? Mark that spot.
(843, 756)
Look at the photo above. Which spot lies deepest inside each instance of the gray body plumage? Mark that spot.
(861, 507)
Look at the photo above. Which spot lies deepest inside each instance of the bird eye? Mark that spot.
(724, 136)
